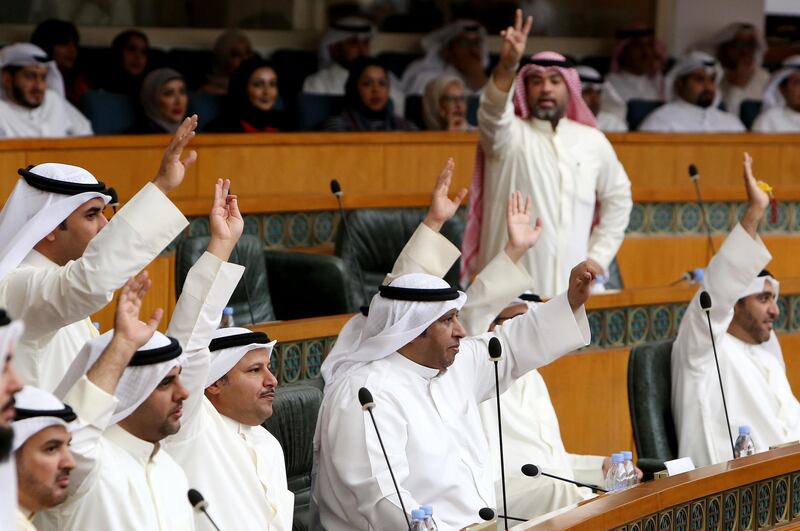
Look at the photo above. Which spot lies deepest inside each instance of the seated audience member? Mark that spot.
(367, 106)
(744, 299)
(230, 49)
(164, 102)
(10, 385)
(59, 39)
(32, 103)
(346, 40)
(128, 64)
(739, 47)
(43, 429)
(693, 92)
(444, 105)
(781, 102)
(637, 63)
(594, 93)
(252, 99)
(458, 49)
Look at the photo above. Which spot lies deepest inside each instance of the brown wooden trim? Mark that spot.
(300, 329)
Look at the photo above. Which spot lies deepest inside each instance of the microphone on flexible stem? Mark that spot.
(534, 471)
(488, 514)
(705, 304)
(695, 276)
(200, 505)
(336, 189)
(495, 354)
(367, 403)
(694, 175)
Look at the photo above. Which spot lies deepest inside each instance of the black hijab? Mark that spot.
(241, 112)
(356, 110)
(118, 79)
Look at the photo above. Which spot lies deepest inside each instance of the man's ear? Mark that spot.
(213, 389)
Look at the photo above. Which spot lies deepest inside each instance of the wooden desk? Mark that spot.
(758, 492)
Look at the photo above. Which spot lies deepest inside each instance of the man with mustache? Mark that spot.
(693, 94)
(124, 478)
(744, 307)
(43, 428)
(10, 384)
(33, 102)
(538, 136)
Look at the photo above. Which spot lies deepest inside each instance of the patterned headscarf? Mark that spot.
(542, 63)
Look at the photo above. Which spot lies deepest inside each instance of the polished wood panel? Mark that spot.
(291, 172)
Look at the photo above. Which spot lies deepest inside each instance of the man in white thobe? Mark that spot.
(32, 102)
(595, 93)
(636, 65)
(740, 49)
(10, 385)
(458, 49)
(781, 103)
(126, 479)
(540, 139)
(60, 260)
(744, 307)
(43, 427)
(693, 96)
(225, 451)
(346, 40)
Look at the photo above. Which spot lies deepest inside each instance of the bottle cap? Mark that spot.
(627, 454)
(617, 458)
(96, 324)
(428, 509)
(744, 430)
(417, 514)
(228, 310)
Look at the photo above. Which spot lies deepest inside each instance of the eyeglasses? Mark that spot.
(449, 98)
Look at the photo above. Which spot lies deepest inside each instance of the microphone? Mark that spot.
(336, 190)
(488, 514)
(495, 354)
(534, 471)
(694, 276)
(705, 304)
(694, 175)
(200, 505)
(367, 404)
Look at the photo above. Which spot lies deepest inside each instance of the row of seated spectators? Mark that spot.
(134, 88)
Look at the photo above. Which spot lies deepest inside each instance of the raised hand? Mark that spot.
(442, 207)
(172, 170)
(757, 199)
(521, 235)
(514, 40)
(580, 283)
(225, 221)
(128, 329)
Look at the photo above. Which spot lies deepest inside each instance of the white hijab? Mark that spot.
(137, 381)
(690, 62)
(30, 214)
(391, 325)
(772, 92)
(223, 360)
(27, 54)
(46, 409)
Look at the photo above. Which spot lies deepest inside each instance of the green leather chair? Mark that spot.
(249, 253)
(377, 236)
(650, 402)
(281, 285)
(293, 420)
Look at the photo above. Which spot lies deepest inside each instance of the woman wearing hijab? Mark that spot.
(253, 101)
(366, 101)
(59, 39)
(444, 105)
(128, 63)
(164, 102)
(230, 49)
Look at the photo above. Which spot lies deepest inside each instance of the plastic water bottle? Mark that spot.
(430, 523)
(615, 480)
(744, 444)
(418, 520)
(227, 318)
(599, 285)
(630, 470)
